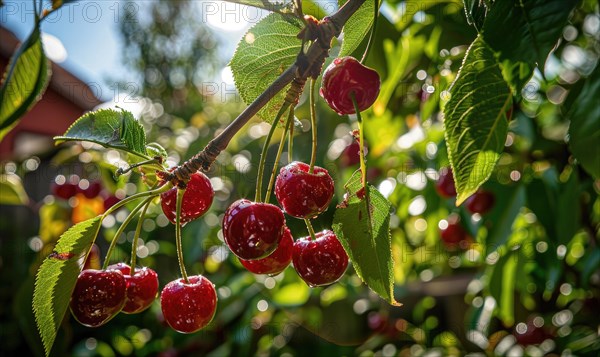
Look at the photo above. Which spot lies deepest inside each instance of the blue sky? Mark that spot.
(89, 32)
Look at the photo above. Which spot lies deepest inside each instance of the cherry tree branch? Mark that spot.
(307, 65)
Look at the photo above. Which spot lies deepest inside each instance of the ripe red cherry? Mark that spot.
(344, 76)
(93, 190)
(453, 234)
(351, 155)
(188, 307)
(196, 200)
(142, 287)
(529, 334)
(445, 184)
(277, 261)
(98, 296)
(252, 230)
(303, 194)
(64, 191)
(481, 202)
(321, 261)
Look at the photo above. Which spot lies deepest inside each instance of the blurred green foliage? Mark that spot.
(528, 283)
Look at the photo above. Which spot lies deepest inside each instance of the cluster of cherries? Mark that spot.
(255, 232)
(481, 202)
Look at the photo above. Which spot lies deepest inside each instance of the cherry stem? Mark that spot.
(154, 162)
(373, 30)
(180, 193)
(311, 230)
(313, 126)
(363, 166)
(263, 155)
(291, 143)
(113, 243)
(136, 236)
(166, 187)
(290, 118)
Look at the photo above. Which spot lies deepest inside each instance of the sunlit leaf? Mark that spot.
(475, 121)
(362, 224)
(264, 53)
(12, 191)
(109, 128)
(56, 278)
(357, 28)
(24, 81)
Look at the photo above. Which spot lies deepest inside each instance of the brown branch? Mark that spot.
(306, 65)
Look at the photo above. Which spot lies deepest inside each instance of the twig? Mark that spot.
(306, 65)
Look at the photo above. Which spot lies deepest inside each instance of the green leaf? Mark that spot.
(516, 74)
(357, 27)
(502, 286)
(363, 227)
(534, 25)
(12, 191)
(24, 81)
(509, 203)
(264, 53)
(475, 10)
(569, 221)
(109, 128)
(584, 131)
(475, 122)
(294, 294)
(56, 278)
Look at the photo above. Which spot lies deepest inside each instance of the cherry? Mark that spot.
(188, 307)
(196, 200)
(453, 234)
(65, 191)
(142, 287)
(351, 155)
(303, 194)
(110, 201)
(277, 261)
(93, 190)
(321, 261)
(344, 76)
(98, 296)
(530, 335)
(481, 202)
(445, 184)
(253, 230)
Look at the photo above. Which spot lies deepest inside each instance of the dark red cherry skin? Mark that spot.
(321, 261)
(453, 234)
(188, 307)
(303, 194)
(98, 296)
(277, 261)
(197, 199)
(142, 287)
(351, 155)
(252, 230)
(481, 202)
(110, 201)
(64, 191)
(92, 191)
(445, 185)
(533, 335)
(344, 76)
